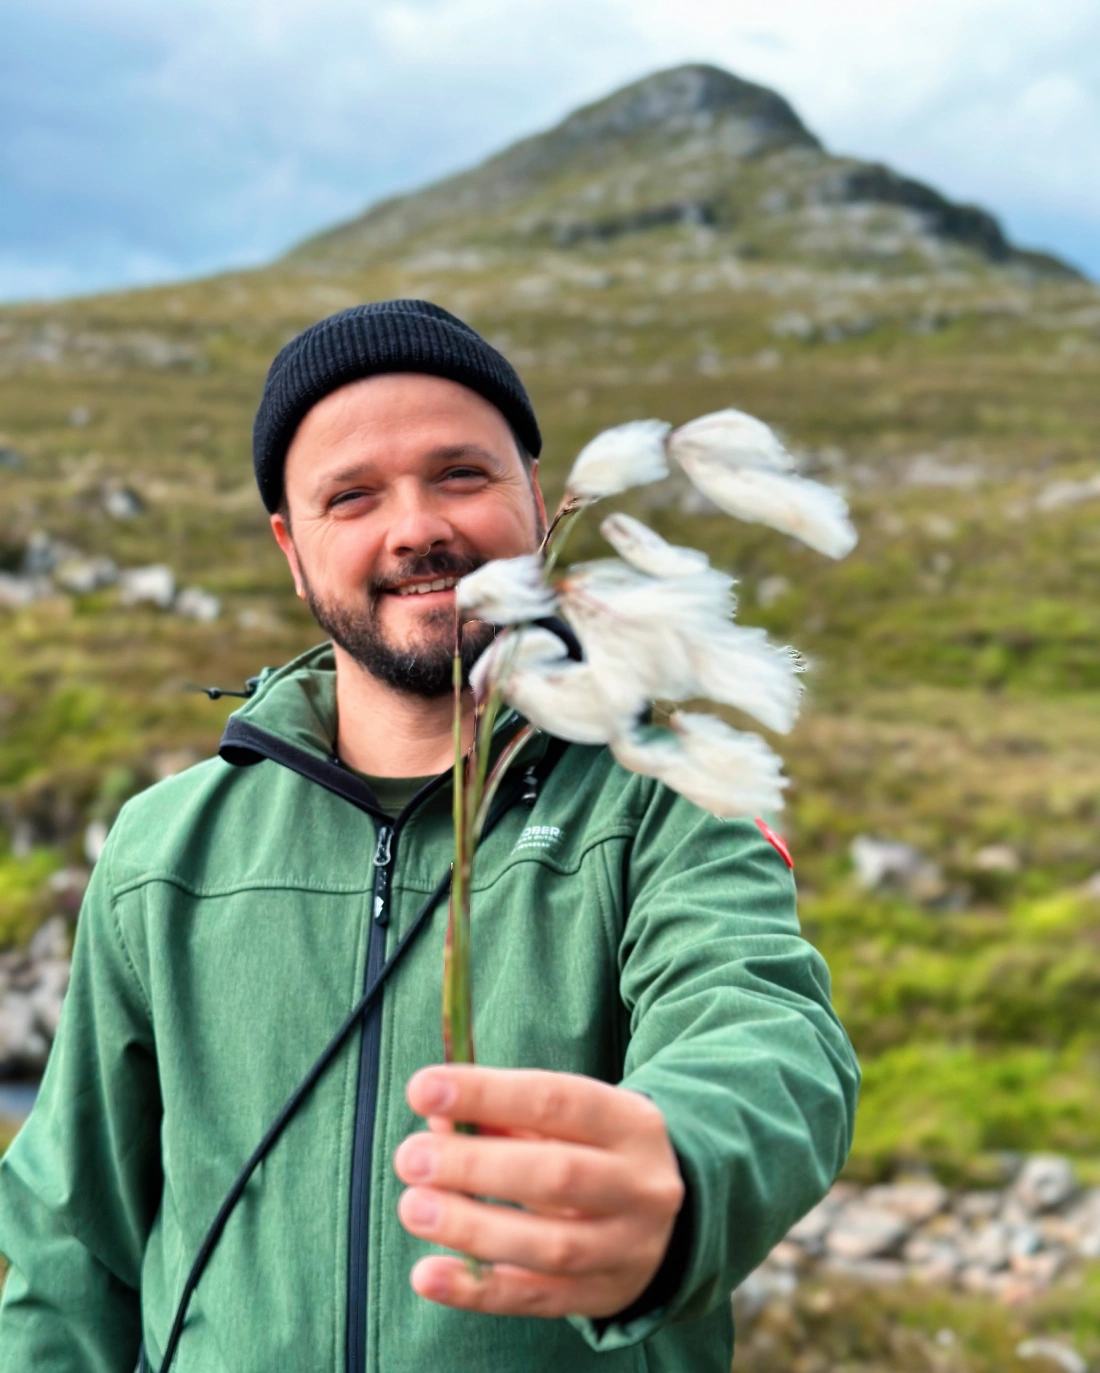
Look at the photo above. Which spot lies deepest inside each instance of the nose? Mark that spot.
(417, 525)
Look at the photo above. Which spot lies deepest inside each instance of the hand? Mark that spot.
(590, 1164)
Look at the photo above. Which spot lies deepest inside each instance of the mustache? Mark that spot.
(441, 564)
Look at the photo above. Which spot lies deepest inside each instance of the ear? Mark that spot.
(281, 530)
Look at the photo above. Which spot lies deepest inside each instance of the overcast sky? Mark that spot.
(143, 142)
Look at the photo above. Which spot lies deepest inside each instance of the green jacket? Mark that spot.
(228, 929)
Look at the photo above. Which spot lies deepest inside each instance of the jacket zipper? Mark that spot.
(366, 1106)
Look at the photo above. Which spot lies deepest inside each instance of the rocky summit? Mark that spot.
(693, 145)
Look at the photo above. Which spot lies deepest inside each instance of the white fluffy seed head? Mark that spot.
(506, 591)
(737, 666)
(629, 455)
(815, 514)
(512, 651)
(732, 438)
(645, 550)
(538, 679)
(719, 769)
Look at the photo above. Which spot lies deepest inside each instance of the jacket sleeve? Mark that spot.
(80, 1185)
(733, 1036)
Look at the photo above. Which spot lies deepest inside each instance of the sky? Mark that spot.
(145, 142)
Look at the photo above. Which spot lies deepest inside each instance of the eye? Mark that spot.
(462, 473)
(345, 496)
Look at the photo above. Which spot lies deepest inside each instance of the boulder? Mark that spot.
(890, 865)
(195, 604)
(95, 836)
(987, 1247)
(122, 503)
(997, 858)
(84, 575)
(152, 585)
(50, 941)
(23, 1047)
(863, 1231)
(916, 1202)
(1056, 495)
(16, 592)
(1083, 1220)
(68, 886)
(42, 554)
(1046, 1181)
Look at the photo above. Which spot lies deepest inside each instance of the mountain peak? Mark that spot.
(682, 98)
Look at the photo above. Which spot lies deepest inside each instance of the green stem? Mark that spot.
(557, 535)
(504, 762)
(457, 1013)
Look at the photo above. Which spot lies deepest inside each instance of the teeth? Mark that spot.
(422, 588)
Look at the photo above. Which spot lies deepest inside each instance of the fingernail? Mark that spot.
(421, 1209)
(428, 1281)
(416, 1162)
(436, 1093)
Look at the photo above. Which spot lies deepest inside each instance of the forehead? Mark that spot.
(396, 414)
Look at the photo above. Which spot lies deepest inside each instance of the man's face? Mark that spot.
(395, 483)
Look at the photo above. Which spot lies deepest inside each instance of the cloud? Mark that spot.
(179, 138)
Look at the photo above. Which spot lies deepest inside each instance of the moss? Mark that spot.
(22, 899)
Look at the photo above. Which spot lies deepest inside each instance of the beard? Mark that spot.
(423, 668)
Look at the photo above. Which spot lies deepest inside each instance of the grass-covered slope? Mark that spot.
(953, 698)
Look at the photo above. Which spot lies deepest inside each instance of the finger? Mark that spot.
(504, 1290)
(538, 1174)
(501, 1234)
(559, 1105)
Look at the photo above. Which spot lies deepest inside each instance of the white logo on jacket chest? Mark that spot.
(538, 837)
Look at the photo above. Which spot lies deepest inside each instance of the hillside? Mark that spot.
(684, 245)
(692, 146)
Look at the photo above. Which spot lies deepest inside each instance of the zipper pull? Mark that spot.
(382, 854)
(382, 848)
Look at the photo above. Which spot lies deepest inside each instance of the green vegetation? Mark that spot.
(952, 701)
(23, 902)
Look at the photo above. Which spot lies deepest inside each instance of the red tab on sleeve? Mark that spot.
(776, 843)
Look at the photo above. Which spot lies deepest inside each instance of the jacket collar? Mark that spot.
(291, 719)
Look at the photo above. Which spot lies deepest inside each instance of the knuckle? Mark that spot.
(565, 1252)
(549, 1106)
(461, 1230)
(457, 1166)
(667, 1194)
(534, 1299)
(562, 1178)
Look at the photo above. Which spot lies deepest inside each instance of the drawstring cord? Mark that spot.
(215, 692)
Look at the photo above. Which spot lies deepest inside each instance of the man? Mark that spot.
(666, 1087)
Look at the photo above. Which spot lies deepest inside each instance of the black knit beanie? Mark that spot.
(384, 336)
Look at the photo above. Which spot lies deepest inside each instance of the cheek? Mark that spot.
(506, 527)
(341, 557)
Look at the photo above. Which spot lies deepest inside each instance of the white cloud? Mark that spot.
(198, 132)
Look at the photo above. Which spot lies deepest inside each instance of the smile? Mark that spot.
(423, 588)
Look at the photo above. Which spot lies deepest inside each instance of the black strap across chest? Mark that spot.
(251, 745)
